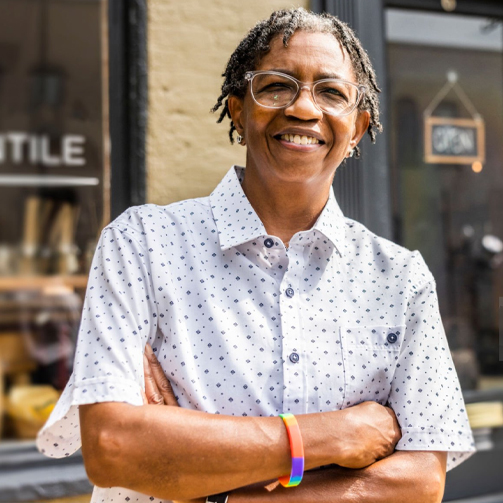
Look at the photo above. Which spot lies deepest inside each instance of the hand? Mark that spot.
(158, 389)
(373, 433)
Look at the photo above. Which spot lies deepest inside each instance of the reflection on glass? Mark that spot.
(53, 170)
(452, 213)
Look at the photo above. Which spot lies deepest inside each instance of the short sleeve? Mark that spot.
(118, 319)
(425, 391)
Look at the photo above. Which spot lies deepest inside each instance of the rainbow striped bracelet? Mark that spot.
(297, 450)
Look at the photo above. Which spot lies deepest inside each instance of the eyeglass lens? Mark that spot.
(276, 91)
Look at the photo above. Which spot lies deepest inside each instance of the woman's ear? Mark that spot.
(362, 122)
(235, 105)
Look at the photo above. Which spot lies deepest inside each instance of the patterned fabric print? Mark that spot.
(243, 326)
(370, 358)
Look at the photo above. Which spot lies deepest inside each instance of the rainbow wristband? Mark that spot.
(297, 449)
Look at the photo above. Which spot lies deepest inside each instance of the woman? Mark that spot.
(263, 299)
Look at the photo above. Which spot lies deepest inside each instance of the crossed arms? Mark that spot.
(172, 453)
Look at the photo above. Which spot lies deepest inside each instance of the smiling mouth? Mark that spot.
(300, 139)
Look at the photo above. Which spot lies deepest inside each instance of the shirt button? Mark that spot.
(392, 338)
(294, 357)
(269, 243)
(289, 292)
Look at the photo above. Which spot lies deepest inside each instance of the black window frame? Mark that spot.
(128, 98)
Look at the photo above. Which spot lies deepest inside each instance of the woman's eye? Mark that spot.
(335, 92)
(332, 93)
(277, 85)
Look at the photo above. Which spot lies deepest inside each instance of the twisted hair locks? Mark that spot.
(256, 44)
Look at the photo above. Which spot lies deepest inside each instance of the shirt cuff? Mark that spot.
(60, 436)
(458, 444)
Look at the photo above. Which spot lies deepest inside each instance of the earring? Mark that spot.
(351, 153)
(239, 139)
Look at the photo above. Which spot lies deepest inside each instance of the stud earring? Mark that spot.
(351, 153)
(239, 139)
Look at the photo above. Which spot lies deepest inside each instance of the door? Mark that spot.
(450, 67)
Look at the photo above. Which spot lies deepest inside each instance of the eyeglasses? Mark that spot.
(272, 89)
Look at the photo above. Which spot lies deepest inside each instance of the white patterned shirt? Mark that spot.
(246, 327)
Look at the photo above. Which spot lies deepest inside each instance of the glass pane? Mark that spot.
(54, 179)
(452, 212)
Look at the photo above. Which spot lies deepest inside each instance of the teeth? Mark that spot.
(300, 140)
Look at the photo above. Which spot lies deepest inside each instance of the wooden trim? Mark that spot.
(105, 113)
(75, 499)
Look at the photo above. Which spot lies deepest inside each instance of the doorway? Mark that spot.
(451, 212)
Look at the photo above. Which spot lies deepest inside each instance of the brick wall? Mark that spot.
(189, 44)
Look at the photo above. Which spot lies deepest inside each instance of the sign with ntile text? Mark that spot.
(26, 148)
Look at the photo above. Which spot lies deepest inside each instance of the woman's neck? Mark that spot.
(286, 208)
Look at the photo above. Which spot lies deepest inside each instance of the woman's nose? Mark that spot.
(304, 107)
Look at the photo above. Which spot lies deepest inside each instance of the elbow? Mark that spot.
(438, 488)
(433, 486)
(434, 490)
(101, 451)
(423, 476)
(101, 455)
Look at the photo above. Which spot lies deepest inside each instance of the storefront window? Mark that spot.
(54, 192)
(452, 211)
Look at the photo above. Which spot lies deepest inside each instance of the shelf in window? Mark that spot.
(48, 181)
(9, 283)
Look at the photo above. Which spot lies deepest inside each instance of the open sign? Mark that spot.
(454, 141)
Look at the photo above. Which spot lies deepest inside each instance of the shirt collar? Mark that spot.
(238, 223)
(234, 216)
(331, 223)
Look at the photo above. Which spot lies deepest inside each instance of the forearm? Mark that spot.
(403, 477)
(174, 453)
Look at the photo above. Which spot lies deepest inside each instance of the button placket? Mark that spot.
(294, 365)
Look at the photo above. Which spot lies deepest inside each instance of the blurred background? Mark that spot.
(105, 104)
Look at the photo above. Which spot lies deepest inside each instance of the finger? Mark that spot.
(396, 426)
(151, 390)
(392, 414)
(144, 397)
(270, 487)
(162, 382)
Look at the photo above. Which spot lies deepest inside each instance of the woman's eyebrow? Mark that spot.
(331, 76)
(281, 70)
(319, 76)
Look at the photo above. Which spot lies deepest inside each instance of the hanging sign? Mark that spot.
(451, 140)
(454, 141)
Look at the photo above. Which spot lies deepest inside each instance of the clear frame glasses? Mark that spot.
(271, 89)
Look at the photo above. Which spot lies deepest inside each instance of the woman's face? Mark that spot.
(308, 57)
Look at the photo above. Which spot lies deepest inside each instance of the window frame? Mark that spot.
(128, 100)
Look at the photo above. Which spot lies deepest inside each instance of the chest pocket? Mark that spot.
(370, 356)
